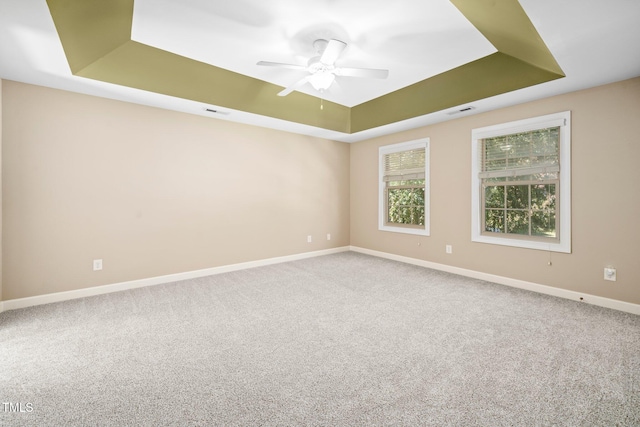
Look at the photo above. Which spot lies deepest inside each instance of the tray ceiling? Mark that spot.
(197, 55)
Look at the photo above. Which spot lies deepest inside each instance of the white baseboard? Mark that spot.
(133, 284)
(515, 283)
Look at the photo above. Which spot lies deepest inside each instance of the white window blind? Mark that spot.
(404, 165)
(521, 154)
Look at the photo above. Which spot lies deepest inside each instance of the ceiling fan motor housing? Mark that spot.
(315, 65)
(320, 45)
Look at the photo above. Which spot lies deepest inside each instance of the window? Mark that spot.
(521, 183)
(404, 190)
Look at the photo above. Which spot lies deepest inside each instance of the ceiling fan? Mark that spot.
(322, 70)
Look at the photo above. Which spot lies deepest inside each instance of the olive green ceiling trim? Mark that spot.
(90, 29)
(506, 25)
(96, 36)
(144, 67)
(522, 60)
(107, 53)
(489, 76)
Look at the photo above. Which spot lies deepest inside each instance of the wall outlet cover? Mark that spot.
(610, 274)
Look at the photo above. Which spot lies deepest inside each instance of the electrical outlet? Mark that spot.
(448, 249)
(97, 264)
(610, 274)
(309, 239)
(328, 236)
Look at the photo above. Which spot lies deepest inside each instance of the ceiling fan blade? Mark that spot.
(371, 73)
(294, 86)
(281, 65)
(332, 51)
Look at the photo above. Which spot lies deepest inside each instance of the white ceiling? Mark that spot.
(413, 39)
(594, 41)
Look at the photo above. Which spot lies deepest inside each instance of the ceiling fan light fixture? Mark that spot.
(321, 80)
(322, 70)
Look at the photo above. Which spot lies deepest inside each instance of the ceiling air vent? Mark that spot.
(211, 110)
(462, 110)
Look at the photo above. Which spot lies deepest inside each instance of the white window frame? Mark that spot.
(563, 120)
(382, 214)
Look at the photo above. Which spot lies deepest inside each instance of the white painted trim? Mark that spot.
(563, 120)
(134, 284)
(405, 146)
(159, 280)
(507, 281)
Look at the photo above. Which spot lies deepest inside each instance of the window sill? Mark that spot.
(526, 244)
(405, 230)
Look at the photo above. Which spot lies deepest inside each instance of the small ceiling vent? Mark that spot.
(211, 110)
(462, 110)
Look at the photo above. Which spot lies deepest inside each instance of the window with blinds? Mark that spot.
(521, 180)
(519, 175)
(403, 187)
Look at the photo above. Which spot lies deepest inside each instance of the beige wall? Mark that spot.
(154, 192)
(605, 196)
